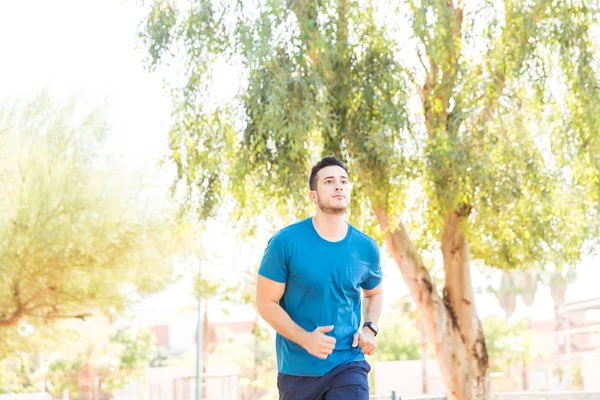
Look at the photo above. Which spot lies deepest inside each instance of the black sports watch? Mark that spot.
(372, 326)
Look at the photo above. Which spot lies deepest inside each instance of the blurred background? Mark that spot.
(149, 150)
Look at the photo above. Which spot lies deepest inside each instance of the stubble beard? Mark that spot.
(329, 209)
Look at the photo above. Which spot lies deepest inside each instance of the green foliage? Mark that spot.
(118, 356)
(488, 110)
(75, 238)
(295, 101)
(211, 288)
(20, 375)
(132, 350)
(160, 358)
(577, 376)
(509, 343)
(62, 374)
(505, 132)
(29, 338)
(398, 340)
(255, 355)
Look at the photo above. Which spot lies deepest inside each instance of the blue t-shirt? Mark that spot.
(323, 287)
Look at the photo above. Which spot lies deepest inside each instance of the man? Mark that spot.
(309, 290)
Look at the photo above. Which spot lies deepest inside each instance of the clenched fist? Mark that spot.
(366, 340)
(318, 343)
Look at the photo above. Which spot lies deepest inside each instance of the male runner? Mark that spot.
(309, 290)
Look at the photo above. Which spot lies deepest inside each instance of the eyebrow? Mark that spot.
(330, 177)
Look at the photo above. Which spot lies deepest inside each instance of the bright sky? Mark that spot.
(87, 49)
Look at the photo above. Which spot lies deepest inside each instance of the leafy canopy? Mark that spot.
(76, 235)
(487, 109)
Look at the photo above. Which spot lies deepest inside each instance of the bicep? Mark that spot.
(374, 275)
(268, 290)
(375, 291)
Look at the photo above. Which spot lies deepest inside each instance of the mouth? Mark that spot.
(339, 196)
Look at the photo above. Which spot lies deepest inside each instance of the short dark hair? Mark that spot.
(324, 162)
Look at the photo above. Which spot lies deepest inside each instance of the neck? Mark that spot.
(331, 227)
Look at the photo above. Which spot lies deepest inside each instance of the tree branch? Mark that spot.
(17, 313)
(501, 58)
(441, 78)
(61, 316)
(418, 87)
(312, 35)
(13, 319)
(420, 57)
(37, 296)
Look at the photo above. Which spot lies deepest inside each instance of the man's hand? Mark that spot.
(318, 343)
(366, 340)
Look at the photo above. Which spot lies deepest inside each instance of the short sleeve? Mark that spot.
(374, 276)
(275, 262)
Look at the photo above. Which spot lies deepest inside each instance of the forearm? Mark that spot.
(280, 320)
(372, 306)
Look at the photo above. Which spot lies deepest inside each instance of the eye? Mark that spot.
(328, 181)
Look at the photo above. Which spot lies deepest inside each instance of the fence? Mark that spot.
(564, 395)
(214, 386)
(395, 396)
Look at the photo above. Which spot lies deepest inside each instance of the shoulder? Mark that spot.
(290, 232)
(364, 239)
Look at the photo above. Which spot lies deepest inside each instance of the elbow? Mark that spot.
(261, 305)
(264, 307)
(260, 308)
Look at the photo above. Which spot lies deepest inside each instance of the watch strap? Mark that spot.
(372, 327)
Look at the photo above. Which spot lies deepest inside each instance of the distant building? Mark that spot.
(569, 346)
(161, 332)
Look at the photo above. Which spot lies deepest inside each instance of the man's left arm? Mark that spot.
(372, 304)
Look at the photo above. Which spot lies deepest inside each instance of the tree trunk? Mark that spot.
(451, 323)
(524, 374)
(255, 371)
(423, 337)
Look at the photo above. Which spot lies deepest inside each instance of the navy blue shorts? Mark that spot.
(347, 381)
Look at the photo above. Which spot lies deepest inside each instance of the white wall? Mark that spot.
(590, 371)
(405, 377)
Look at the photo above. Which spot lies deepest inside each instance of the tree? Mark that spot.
(510, 345)
(21, 375)
(76, 238)
(255, 357)
(462, 123)
(263, 364)
(399, 340)
(524, 283)
(94, 347)
(106, 359)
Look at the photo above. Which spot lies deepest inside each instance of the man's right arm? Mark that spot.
(268, 294)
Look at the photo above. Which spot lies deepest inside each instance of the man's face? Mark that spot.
(333, 190)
